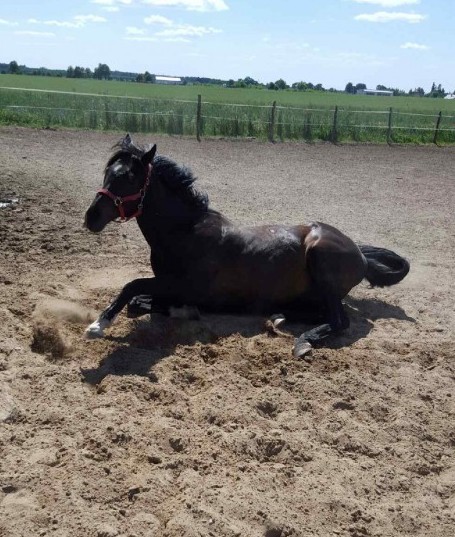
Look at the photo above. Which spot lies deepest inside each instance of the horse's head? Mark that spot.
(126, 179)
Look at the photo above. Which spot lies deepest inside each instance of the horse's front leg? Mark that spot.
(162, 289)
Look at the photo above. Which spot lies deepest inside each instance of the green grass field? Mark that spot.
(113, 105)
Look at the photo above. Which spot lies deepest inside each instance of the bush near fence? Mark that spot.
(41, 108)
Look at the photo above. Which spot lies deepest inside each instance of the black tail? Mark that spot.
(384, 266)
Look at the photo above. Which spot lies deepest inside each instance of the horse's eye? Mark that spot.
(124, 176)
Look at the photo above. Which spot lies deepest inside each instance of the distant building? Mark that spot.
(168, 79)
(384, 93)
(450, 96)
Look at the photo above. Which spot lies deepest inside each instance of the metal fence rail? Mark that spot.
(48, 108)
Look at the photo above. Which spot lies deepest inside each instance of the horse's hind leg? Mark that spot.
(329, 269)
(337, 320)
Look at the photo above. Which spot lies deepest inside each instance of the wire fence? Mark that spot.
(206, 119)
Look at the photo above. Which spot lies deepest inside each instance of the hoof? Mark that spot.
(96, 329)
(272, 326)
(278, 320)
(302, 349)
(92, 333)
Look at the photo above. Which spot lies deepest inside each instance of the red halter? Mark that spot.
(119, 201)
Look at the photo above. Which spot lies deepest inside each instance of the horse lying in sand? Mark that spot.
(201, 259)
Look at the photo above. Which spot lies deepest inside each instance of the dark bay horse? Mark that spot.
(200, 258)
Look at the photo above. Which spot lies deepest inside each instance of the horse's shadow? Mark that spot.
(152, 340)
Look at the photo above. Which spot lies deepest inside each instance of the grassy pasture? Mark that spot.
(113, 105)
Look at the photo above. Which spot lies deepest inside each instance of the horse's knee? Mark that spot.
(140, 286)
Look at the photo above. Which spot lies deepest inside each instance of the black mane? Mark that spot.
(178, 179)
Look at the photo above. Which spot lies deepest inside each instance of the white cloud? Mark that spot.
(78, 21)
(61, 24)
(391, 16)
(111, 9)
(35, 34)
(177, 40)
(415, 46)
(8, 23)
(193, 5)
(89, 18)
(178, 32)
(132, 30)
(187, 30)
(158, 19)
(388, 3)
(112, 2)
(140, 38)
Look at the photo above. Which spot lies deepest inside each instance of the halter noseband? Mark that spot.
(119, 201)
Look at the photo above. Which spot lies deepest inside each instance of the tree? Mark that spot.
(303, 86)
(14, 68)
(102, 72)
(78, 72)
(151, 79)
(281, 84)
(349, 88)
(70, 72)
(417, 92)
(299, 86)
(437, 91)
(250, 81)
(360, 86)
(271, 85)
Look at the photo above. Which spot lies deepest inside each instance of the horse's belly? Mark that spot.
(261, 284)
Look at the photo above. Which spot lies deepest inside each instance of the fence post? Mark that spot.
(272, 122)
(438, 123)
(389, 129)
(334, 135)
(199, 118)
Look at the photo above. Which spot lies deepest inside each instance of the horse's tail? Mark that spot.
(384, 267)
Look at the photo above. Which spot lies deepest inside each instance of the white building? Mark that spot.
(159, 79)
(384, 93)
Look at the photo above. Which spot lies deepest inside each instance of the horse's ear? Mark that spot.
(149, 155)
(127, 141)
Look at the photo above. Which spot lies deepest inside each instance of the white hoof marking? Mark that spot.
(96, 329)
(303, 350)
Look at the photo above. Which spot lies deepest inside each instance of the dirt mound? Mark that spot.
(47, 339)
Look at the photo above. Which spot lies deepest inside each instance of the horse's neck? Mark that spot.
(169, 233)
(173, 245)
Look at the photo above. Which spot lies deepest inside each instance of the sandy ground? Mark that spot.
(183, 428)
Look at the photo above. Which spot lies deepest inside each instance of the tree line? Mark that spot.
(103, 72)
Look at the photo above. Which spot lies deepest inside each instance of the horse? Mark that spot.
(203, 260)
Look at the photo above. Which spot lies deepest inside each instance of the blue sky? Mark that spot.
(399, 43)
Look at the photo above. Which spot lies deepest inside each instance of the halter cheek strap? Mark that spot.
(119, 201)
